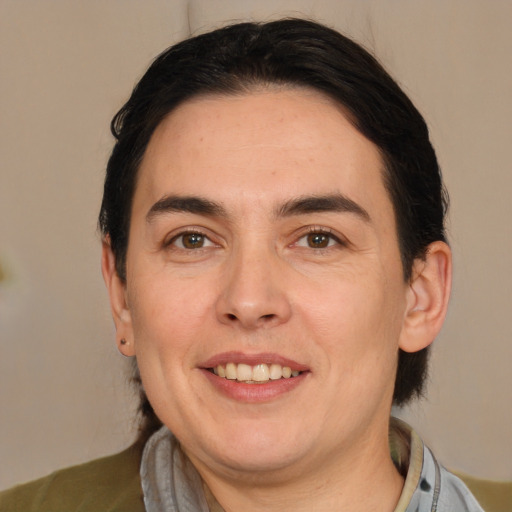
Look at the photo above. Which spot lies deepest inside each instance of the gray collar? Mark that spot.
(171, 483)
(169, 480)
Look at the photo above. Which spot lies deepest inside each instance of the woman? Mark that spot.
(275, 257)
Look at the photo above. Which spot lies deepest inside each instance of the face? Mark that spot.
(264, 298)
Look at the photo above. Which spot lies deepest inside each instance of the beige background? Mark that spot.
(66, 67)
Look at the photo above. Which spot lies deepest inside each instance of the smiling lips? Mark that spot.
(253, 378)
(256, 374)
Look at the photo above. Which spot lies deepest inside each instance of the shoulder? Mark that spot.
(107, 484)
(493, 496)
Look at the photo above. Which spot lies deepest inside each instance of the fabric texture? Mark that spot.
(169, 480)
(428, 486)
(493, 496)
(109, 484)
(114, 484)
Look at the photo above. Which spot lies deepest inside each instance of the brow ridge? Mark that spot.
(298, 206)
(188, 204)
(324, 203)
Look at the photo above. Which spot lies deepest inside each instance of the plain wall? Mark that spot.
(65, 69)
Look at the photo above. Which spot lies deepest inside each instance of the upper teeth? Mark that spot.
(257, 373)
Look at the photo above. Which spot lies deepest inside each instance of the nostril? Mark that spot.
(233, 317)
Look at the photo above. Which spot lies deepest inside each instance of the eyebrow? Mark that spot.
(299, 206)
(327, 203)
(188, 204)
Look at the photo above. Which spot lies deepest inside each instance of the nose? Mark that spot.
(253, 292)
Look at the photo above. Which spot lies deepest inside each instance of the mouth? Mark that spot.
(260, 373)
(254, 378)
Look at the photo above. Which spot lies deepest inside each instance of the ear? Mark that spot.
(118, 304)
(427, 298)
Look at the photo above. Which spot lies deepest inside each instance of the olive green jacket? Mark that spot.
(112, 484)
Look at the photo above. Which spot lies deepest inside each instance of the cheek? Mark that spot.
(171, 329)
(169, 314)
(355, 318)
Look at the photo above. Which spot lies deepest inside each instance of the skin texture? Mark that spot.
(257, 286)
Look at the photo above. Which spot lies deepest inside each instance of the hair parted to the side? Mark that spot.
(287, 53)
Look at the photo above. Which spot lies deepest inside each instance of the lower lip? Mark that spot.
(254, 393)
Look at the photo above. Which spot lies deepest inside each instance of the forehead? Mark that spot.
(260, 147)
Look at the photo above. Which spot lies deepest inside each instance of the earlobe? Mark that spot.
(117, 293)
(427, 298)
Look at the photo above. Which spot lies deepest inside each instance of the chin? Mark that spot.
(257, 448)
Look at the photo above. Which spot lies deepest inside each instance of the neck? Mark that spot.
(355, 480)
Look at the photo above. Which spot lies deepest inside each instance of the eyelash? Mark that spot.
(317, 230)
(312, 230)
(188, 232)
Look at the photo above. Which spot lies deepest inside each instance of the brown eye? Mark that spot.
(318, 240)
(191, 241)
